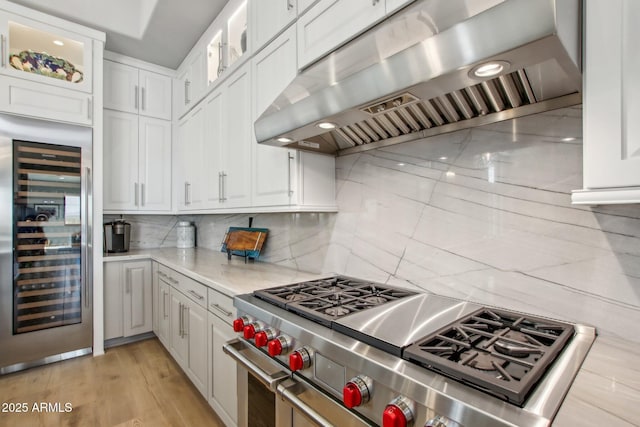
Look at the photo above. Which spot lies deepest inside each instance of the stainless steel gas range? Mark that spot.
(343, 351)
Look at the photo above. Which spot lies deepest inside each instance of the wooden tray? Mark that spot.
(244, 241)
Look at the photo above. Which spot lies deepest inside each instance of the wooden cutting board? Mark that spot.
(245, 241)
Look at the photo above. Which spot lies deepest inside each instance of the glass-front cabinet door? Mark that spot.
(215, 63)
(35, 51)
(237, 34)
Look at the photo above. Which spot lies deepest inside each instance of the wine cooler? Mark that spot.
(45, 234)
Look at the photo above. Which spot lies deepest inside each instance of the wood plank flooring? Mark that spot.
(136, 384)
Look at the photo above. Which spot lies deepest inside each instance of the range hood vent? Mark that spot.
(423, 83)
(405, 114)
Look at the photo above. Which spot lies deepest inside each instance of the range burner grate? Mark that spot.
(328, 299)
(501, 352)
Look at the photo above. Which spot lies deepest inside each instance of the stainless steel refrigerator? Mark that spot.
(45, 242)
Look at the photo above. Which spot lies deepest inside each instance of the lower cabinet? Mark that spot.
(127, 299)
(223, 393)
(194, 333)
(189, 338)
(162, 310)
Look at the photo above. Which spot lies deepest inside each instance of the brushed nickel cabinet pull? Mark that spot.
(220, 309)
(142, 101)
(135, 104)
(142, 195)
(195, 294)
(289, 5)
(164, 304)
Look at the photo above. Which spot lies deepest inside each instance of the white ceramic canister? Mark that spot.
(185, 235)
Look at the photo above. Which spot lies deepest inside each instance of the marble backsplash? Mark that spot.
(482, 214)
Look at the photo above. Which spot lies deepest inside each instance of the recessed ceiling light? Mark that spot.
(450, 174)
(326, 125)
(489, 69)
(400, 164)
(285, 140)
(567, 139)
(443, 158)
(58, 43)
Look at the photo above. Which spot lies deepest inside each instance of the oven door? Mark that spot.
(268, 395)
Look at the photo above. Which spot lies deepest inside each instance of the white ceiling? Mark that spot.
(157, 31)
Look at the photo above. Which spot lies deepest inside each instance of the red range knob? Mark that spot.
(261, 339)
(274, 348)
(249, 331)
(351, 395)
(278, 346)
(252, 328)
(238, 324)
(299, 359)
(393, 417)
(357, 391)
(398, 413)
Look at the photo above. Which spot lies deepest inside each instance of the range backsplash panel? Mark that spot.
(482, 214)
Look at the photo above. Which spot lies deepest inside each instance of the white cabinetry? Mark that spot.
(269, 18)
(223, 395)
(331, 22)
(41, 100)
(133, 90)
(45, 80)
(611, 129)
(236, 144)
(191, 81)
(215, 148)
(163, 310)
(26, 42)
(137, 163)
(187, 325)
(282, 177)
(228, 41)
(128, 300)
(192, 161)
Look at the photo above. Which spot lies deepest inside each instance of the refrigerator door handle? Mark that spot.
(88, 232)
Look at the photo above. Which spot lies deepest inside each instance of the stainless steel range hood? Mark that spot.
(413, 75)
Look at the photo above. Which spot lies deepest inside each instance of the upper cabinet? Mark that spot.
(190, 84)
(268, 19)
(611, 130)
(331, 22)
(137, 136)
(215, 56)
(229, 41)
(36, 51)
(47, 66)
(134, 90)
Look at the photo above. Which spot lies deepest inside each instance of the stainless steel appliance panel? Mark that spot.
(25, 348)
(403, 322)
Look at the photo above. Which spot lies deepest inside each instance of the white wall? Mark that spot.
(482, 214)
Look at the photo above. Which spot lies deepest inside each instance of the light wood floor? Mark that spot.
(137, 384)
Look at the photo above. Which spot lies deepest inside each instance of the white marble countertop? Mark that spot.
(213, 269)
(606, 391)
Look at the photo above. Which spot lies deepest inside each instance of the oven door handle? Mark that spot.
(297, 393)
(289, 391)
(234, 349)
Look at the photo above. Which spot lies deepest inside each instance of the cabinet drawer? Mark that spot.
(222, 306)
(194, 290)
